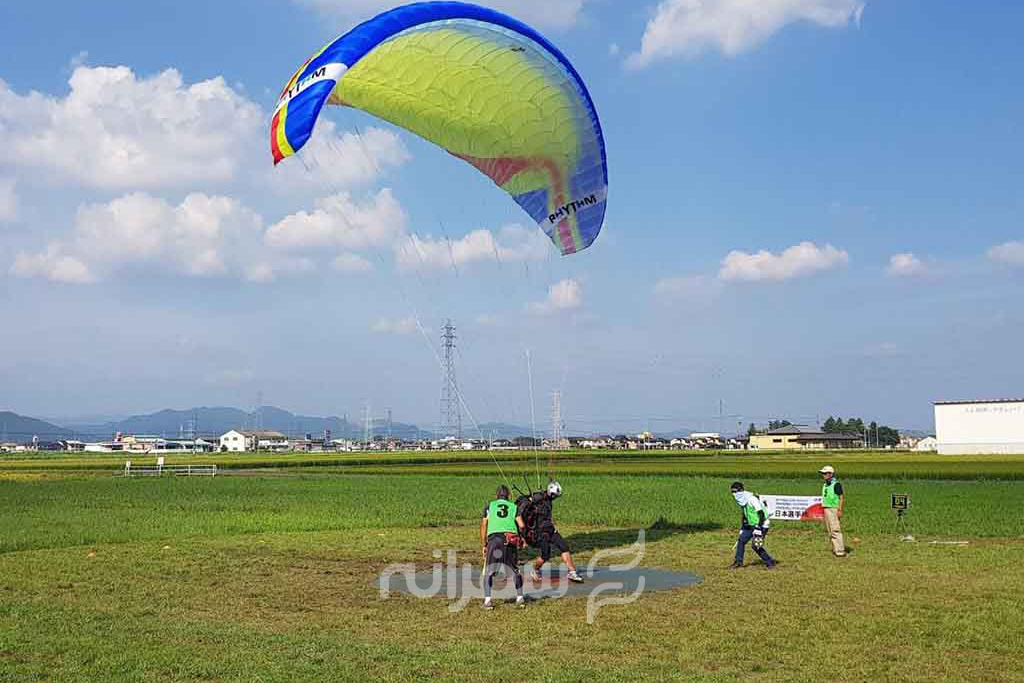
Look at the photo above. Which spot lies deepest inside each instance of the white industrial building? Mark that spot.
(236, 441)
(969, 427)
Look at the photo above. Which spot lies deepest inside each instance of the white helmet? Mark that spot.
(554, 489)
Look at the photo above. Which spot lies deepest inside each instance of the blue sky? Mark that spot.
(814, 209)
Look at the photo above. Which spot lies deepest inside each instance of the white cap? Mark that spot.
(827, 469)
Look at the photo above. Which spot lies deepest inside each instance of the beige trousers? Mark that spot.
(835, 533)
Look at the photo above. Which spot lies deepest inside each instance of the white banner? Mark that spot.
(793, 508)
(327, 72)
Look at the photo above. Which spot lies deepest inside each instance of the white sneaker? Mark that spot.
(520, 601)
(575, 578)
(487, 604)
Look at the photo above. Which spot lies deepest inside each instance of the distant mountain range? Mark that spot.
(499, 430)
(73, 421)
(21, 429)
(214, 421)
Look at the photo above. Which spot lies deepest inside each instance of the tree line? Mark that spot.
(773, 424)
(874, 434)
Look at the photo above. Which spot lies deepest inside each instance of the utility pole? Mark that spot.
(388, 412)
(451, 416)
(721, 413)
(556, 419)
(367, 425)
(717, 375)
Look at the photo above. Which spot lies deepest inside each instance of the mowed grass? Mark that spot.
(273, 578)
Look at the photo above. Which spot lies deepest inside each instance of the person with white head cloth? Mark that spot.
(753, 526)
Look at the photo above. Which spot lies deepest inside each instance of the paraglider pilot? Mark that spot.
(541, 532)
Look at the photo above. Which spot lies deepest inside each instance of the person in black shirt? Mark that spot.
(541, 533)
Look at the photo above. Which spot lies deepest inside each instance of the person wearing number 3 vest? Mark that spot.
(832, 502)
(499, 536)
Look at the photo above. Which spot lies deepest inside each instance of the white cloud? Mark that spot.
(514, 244)
(196, 237)
(8, 201)
(487, 320)
(1010, 254)
(78, 60)
(351, 263)
(906, 265)
(884, 350)
(331, 160)
(558, 14)
(52, 265)
(696, 289)
(341, 222)
(269, 270)
(566, 295)
(116, 130)
(403, 326)
(230, 377)
(260, 273)
(801, 260)
(689, 27)
(203, 236)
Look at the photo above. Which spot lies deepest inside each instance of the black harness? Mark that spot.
(530, 508)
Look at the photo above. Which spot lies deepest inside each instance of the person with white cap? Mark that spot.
(832, 501)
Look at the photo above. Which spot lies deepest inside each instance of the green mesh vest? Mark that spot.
(829, 497)
(501, 518)
(753, 519)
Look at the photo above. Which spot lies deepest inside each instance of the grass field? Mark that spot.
(875, 464)
(270, 575)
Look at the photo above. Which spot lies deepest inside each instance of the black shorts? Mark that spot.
(500, 553)
(548, 541)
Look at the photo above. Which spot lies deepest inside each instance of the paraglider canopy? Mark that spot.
(483, 86)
